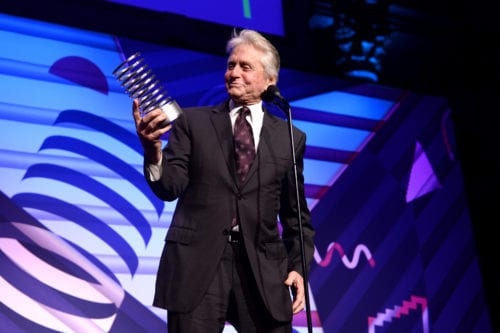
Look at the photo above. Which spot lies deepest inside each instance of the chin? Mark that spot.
(234, 90)
(233, 95)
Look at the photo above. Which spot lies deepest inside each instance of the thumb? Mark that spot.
(135, 111)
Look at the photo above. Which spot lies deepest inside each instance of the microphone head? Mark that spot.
(270, 93)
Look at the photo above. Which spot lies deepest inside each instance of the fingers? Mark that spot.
(297, 306)
(296, 282)
(294, 279)
(135, 112)
(150, 134)
(299, 299)
(147, 126)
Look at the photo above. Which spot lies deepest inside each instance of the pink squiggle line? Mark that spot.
(360, 248)
(400, 311)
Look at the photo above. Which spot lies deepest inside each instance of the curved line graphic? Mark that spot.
(15, 320)
(88, 184)
(40, 302)
(351, 264)
(83, 219)
(48, 295)
(57, 261)
(94, 260)
(104, 158)
(101, 124)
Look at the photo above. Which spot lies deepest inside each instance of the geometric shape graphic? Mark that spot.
(338, 125)
(82, 72)
(399, 311)
(422, 177)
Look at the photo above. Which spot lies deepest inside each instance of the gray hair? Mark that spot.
(271, 57)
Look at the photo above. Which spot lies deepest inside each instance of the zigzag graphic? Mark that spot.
(400, 311)
(351, 264)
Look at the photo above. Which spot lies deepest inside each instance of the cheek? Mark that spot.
(260, 85)
(263, 80)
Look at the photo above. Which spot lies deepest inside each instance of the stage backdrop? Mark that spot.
(81, 233)
(262, 15)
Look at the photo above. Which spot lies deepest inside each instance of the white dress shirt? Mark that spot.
(256, 118)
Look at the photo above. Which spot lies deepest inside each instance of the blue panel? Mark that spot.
(347, 104)
(333, 137)
(320, 172)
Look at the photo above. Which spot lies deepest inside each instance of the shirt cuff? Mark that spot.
(154, 171)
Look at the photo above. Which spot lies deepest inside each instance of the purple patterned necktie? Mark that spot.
(244, 147)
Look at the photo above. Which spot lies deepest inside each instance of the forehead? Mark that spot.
(245, 53)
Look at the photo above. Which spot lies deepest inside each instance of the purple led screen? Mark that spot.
(262, 15)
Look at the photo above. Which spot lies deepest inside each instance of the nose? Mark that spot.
(234, 71)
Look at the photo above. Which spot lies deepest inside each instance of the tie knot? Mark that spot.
(244, 111)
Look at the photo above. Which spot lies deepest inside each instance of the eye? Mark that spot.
(247, 68)
(230, 66)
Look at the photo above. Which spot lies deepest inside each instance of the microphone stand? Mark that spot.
(285, 107)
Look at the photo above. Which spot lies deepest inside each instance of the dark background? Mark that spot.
(442, 47)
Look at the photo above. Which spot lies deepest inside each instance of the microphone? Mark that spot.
(271, 94)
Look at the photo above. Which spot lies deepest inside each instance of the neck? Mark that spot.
(234, 104)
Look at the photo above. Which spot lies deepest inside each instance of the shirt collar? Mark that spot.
(254, 108)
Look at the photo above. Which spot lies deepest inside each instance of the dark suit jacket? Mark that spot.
(199, 170)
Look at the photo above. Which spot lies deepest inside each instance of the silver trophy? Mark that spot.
(139, 82)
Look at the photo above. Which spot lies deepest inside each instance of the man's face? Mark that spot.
(245, 77)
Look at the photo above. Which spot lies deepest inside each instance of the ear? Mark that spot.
(272, 80)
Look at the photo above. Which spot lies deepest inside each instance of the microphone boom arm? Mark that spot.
(272, 95)
(299, 213)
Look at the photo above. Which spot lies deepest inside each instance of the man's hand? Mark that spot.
(149, 132)
(295, 281)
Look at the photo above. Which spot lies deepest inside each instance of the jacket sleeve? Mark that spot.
(175, 162)
(289, 212)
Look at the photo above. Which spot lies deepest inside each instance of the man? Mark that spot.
(225, 258)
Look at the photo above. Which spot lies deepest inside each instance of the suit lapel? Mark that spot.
(222, 126)
(267, 134)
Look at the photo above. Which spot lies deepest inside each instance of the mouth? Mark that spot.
(234, 85)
